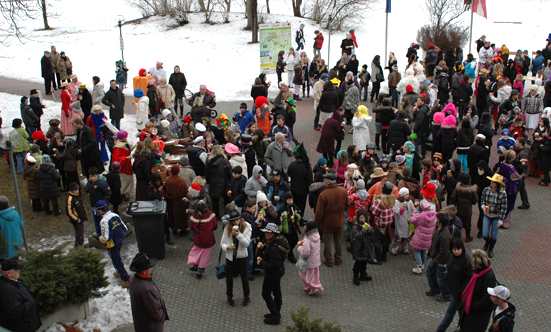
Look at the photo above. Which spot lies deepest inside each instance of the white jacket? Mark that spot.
(143, 112)
(485, 55)
(318, 89)
(97, 93)
(244, 241)
(502, 94)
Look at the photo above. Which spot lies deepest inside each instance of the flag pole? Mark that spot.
(386, 39)
(471, 30)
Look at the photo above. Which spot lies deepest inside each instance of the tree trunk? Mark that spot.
(268, 6)
(254, 11)
(45, 15)
(249, 15)
(202, 5)
(296, 7)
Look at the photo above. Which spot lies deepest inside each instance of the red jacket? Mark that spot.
(204, 228)
(65, 102)
(120, 152)
(426, 176)
(318, 41)
(353, 37)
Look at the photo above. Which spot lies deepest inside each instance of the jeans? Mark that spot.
(394, 94)
(454, 306)
(378, 127)
(463, 159)
(20, 158)
(364, 88)
(421, 139)
(317, 120)
(327, 238)
(238, 265)
(420, 256)
(488, 223)
(300, 46)
(115, 254)
(317, 51)
(116, 123)
(437, 279)
(523, 193)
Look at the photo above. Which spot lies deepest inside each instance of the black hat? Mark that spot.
(33, 91)
(486, 115)
(401, 115)
(142, 262)
(330, 176)
(73, 186)
(246, 138)
(515, 92)
(16, 123)
(275, 172)
(388, 188)
(238, 170)
(286, 196)
(11, 264)
(366, 161)
(234, 215)
(243, 105)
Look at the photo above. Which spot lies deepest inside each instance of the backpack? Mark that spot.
(298, 37)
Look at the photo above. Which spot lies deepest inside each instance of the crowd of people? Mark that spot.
(434, 123)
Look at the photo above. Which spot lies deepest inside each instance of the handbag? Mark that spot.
(379, 77)
(69, 71)
(302, 263)
(221, 272)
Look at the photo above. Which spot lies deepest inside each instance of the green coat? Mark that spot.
(285, 226)
(23, 145)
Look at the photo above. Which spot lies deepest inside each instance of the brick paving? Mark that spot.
(393, 301)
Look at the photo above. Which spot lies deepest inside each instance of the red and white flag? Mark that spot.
(479, 7)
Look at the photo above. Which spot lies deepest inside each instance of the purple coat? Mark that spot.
(331, 126)
(425, 222)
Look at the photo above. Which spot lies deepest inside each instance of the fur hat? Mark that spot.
(451, 108)
(449, 121)
(438, 117)
(195, 190)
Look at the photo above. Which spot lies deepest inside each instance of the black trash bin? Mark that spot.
(149, 226)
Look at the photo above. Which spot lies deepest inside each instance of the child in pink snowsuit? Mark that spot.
(309, 249)
(425, 220)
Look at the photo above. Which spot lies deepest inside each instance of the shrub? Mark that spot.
(304, 324)
(55, 279)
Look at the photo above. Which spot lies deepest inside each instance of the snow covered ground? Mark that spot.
(219, 55)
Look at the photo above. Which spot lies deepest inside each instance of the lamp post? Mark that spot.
(329, 42)
(121, 19)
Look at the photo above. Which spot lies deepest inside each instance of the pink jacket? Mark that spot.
(341, 169)
(425, 222)
(310, 248)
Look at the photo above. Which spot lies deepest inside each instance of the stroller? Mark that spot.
(199, 112)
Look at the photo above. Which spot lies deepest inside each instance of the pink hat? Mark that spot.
(122, 134)
(425, 205)
(231, 148)
(159, 63)
(438, 117)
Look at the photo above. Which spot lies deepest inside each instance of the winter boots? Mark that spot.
(356, 279)
(486, 244)
(291, 257)
(296, 97)
(491, 248)
(377, 140)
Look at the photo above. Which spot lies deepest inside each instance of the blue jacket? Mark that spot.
(506, 143)
(470, 68)
(244, 120)
(11, 226)
(537, 64)
(113, 230)
(284, 130)
(277, 189)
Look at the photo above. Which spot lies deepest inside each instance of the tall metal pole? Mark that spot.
(471, 30)
(121, 40)
(329, 43)
(386, 40)
(17, 197)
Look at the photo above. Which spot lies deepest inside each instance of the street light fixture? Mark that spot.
(121, 20)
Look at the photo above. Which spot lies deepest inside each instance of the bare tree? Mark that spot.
(268, 6)
(254, 11)
(344, 13)
(296, 7)
(15, 11)
(443, 30)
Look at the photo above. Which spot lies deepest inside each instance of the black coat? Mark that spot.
(18, 310)
(464, 92)
(353, 66)
(329, 100)
(481, 306)
(476, 153)
(273, 260)
(398, 132)
(36, 106)
(153, 102)
(301, 177)
(218, 173)
(422, 121)
(194, 152)
(545, 156)
(237, 188)
(460, 271)
(115, 97)
(90, 156)
(360, 242)
(347, 42)
(386, 114)
(99, 191)
(47, 69)
(482, 181)
(48, 175)
(258, 90)
(114, 181)
(179, 83)
(86, 102)
(142, 168)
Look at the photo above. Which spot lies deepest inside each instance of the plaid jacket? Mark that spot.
(497, 201)
(383, 217)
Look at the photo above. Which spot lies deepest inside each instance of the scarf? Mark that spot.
(409, 160)
(98, 121)
(467, 295)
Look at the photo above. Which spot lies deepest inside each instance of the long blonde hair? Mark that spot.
(388, 201)
(480, 259)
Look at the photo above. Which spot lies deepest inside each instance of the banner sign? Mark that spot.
(273, 38)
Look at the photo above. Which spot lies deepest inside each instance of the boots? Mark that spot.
(365, 277)
(486, 244)
(291, 257)
(168, 239)
(378, 254)
(356, 279)
(377, 139)
(491, 248)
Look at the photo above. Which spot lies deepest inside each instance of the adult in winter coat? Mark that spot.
(331, 128)
(34, 187)
(545, 161)
(95, 121)
(90, 155)
(332, 203)
(166, 95)
(398, 131)
(280, 67)
(351, 98)
(376, 71)
(448, 132)
(482, 91)
(179, 84)
(49, 176)
(27, 115)
(386, 114)
(301, 177)
(176, 190)
(114, 99)
(18, 308)
(86, 101)
(465, 196)
(464, 141)
(278, 154)
(421, 125)
(360, 123)
(47, 73)
(142, 169)
(121, 154)
(97, 92)
(64, 67)
(477, 152)
(478, 305)
(66, 112)
(464, 93)
(148, 307)
(442, 81)
(11, 226)
(328, 102)
(218, 173)
(143, 109)
(37, 107)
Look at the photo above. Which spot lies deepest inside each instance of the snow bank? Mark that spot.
(219, 55)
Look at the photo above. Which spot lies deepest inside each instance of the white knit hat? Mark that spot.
(403, 192)
(166, 113)
(165, 123)
(261, 196)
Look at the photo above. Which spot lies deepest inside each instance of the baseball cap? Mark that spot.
(500, 291)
